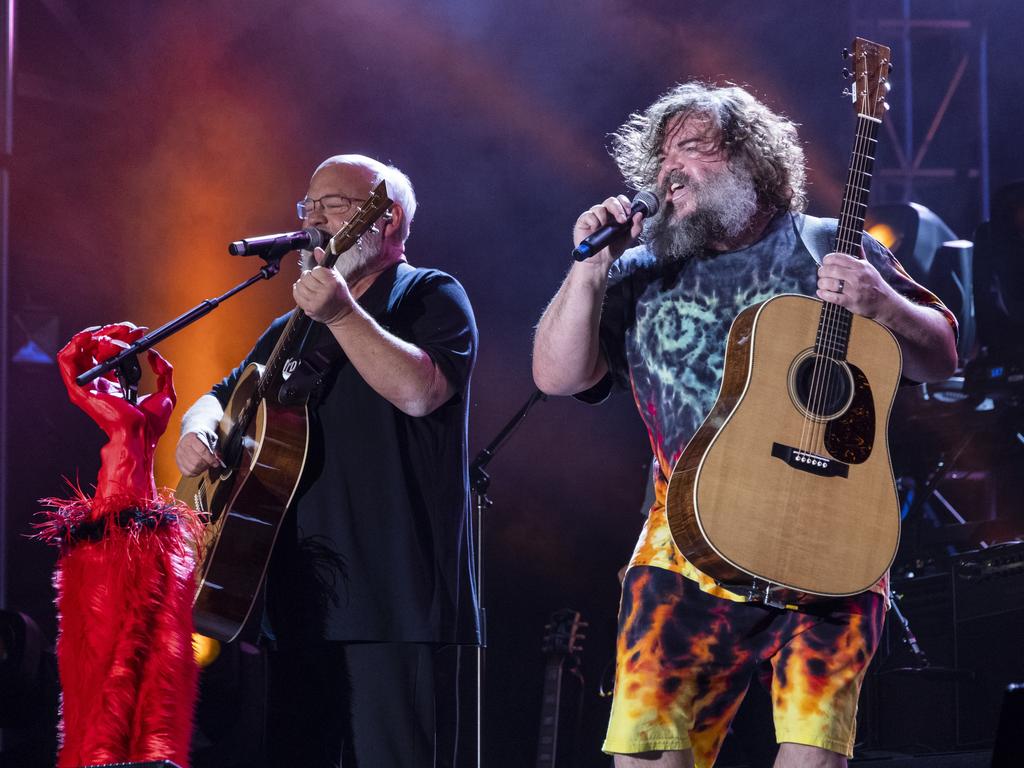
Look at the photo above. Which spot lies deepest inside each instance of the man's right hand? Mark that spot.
(591, 220)
(567, 357)
(194, 455)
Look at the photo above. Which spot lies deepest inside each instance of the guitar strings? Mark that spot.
(833, 315)
(825, 379)
(808, 439)
(809, 435)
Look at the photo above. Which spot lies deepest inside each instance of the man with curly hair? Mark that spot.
(730, 232)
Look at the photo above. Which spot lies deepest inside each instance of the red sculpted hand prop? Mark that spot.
(133, 429)
(124, 578)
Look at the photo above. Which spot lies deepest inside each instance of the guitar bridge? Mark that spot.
(810, 462)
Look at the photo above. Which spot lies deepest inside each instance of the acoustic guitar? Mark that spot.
(263, 437)
(785, 494)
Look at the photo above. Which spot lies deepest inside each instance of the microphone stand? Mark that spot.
(480, 481)
(126, 362)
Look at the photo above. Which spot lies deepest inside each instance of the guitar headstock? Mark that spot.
(563, 634)
(870, 84)
(371, 209)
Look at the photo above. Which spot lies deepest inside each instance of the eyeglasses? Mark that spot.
(333, 204)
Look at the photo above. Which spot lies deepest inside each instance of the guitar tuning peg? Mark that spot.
(887, 86)
(889, 65)
(847, 92)
(847, 74)
(846, 53)
(885, 105)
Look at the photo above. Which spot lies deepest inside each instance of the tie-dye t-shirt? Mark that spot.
(664, 329)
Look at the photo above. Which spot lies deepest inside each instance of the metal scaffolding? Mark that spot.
(7, 137)
(941, 61)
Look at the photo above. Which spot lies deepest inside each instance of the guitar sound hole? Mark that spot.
(822, 386)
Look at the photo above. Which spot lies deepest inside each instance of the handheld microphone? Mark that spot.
(644, 203)
(275, 246)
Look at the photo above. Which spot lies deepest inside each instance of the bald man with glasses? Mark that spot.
(372, 573)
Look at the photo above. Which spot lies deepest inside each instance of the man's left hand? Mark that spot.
(854, 284)
(323, 295)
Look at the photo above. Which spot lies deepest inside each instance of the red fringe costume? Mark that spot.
(124, 579)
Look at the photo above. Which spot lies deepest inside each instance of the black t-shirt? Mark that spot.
(377, 545)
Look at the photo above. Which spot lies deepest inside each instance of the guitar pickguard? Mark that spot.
(850, 436)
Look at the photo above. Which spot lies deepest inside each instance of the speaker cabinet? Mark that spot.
(969, 621)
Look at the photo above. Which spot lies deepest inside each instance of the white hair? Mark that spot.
(399, 186)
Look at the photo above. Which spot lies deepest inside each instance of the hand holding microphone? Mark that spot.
(609, 222)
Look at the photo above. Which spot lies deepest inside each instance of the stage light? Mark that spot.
(912, 232)
(931, 253)
(35, 337)
(886, 235)
(205, 649)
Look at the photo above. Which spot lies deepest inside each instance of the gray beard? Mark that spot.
(726, 203)
(354, 261)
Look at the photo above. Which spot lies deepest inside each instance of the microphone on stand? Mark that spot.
(644, 203)
(275, 246)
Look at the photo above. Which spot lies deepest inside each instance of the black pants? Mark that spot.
(357, 705)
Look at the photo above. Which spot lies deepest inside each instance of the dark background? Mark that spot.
(148, 135)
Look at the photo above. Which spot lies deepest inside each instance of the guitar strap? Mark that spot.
(315, 361)
(818, 235)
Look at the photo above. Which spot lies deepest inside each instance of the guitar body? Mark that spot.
(247, 502)
(767, 491)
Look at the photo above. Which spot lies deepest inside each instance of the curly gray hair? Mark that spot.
(762, 141)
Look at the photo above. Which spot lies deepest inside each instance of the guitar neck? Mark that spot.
(858, 187)
(871, 65)
(561, 643)
(547, 738)
(833, 336)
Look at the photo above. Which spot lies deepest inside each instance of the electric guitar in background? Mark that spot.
(562, 701)
(787, 487)
(262, 439)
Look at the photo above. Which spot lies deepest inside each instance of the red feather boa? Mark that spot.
(124, 586)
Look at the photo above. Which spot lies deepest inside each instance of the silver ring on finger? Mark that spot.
(842, 284)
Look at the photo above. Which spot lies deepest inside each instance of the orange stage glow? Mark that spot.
(204, 649)
(885, 234)
(215, 166)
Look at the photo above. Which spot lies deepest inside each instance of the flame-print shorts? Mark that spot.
(685, 659)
